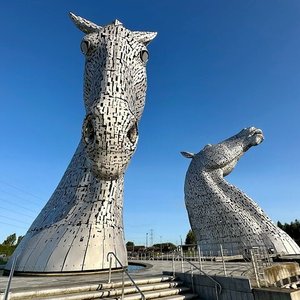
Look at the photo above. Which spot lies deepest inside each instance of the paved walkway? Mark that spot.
(153, 268)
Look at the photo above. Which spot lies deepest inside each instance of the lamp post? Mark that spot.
(146, 245)
(160, 245)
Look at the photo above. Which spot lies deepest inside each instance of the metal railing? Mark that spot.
(258, 258)
(218, 287)
(255, 258)
(109, 256)
(11, 274)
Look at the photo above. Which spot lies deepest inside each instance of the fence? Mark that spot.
(257, 258)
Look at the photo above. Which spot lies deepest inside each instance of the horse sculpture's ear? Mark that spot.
(144, 37)
(84, 25)
(187, 154)
(207, 146)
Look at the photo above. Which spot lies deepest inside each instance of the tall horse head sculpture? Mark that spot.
(114, 93)
(83, 220)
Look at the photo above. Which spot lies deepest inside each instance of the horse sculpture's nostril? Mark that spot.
(89, 131)
(132, 133)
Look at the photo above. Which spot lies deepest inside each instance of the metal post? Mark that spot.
(109, 271)
(181, 252)
(222, 254)
(253, 260)
(173, 265)
(194, 255)
(200, 259)
(122, 297)
(216, 291)
(11, 274)
(160, 246)
(192, 278)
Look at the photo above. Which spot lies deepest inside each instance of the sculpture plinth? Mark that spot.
(220, 213)
(83, 220)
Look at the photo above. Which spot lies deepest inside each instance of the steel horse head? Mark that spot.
(114, 94)
(83, 219)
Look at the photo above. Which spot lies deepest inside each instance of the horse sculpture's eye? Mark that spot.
(132, 133)
(144, 55)
(84, 46)
(88, 131)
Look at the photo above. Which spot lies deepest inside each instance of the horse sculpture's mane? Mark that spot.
(83, 220)
(219, 212)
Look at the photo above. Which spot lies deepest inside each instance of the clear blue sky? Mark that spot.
(215, 67)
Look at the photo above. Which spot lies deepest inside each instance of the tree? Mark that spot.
(19, 239)
(190, 238)
(292, 229)
(130, 246)
(10, 240)
(164, 247)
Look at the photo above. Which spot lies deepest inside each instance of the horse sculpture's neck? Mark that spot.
(103, 199)
(80, 224)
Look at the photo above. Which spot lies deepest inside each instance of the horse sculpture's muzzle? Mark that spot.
(109, 147)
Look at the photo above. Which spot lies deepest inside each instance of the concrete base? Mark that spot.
(234, 288)
(276, 294)
(281, 274)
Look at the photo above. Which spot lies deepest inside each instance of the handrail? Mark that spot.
(208, 276)
(125, 271)
(11, 274)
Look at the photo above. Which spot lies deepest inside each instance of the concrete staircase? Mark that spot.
(155, 287)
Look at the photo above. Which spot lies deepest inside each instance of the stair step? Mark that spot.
(153, 287)
(158, 293)
(186, 296)
(110, 292)
(43, 292)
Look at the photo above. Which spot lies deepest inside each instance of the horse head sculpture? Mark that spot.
(83, 220)
(114, 93)
(218, 211)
